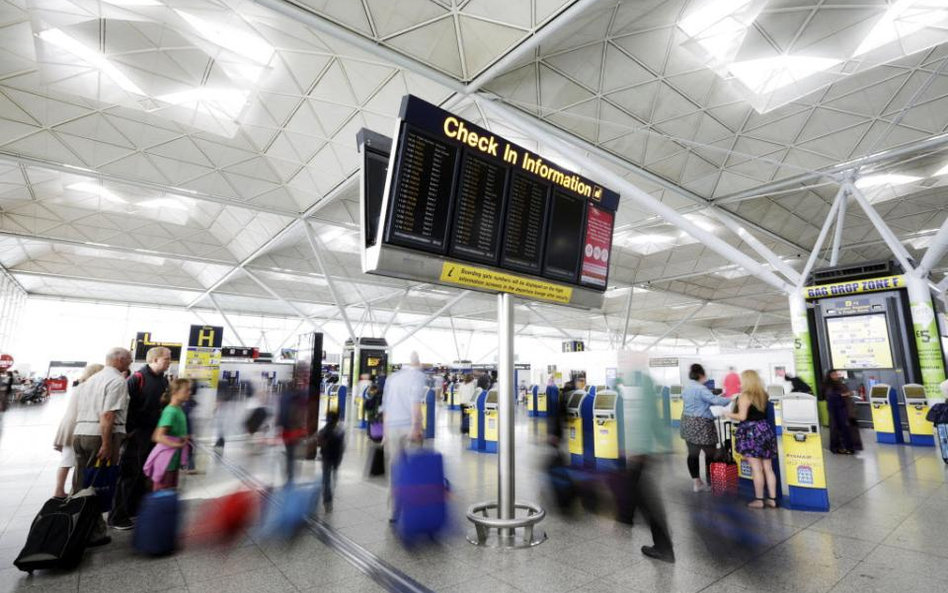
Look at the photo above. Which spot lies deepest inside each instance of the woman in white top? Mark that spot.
(467, 389)
(63, 439)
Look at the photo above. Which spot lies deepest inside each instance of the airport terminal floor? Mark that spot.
(884, 532)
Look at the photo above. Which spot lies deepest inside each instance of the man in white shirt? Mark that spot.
(401, 411)
(100, 421)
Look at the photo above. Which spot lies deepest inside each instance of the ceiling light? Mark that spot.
(901, 20)
(98, 190)
(701, 222)
(135, 3)
(228, 101)
(884, 179)
(766, 75)
(237, 41)
(164, 203)
(717, 27)
(94, 58)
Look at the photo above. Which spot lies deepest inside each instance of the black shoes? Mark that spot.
(102, 541)
(658, 554)
(126, 526)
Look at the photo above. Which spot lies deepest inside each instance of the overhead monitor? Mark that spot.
(859, 341)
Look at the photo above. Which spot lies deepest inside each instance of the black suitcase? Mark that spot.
(465, 420)
(255, 420)
(377, 462)
(59, 533)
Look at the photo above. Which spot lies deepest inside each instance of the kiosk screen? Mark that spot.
(859, 341)
(491, 397)
(675, 390)
(376, 167)
(605, 402)
(914, 392)
(574, 400)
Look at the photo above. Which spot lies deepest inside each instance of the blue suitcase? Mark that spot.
(156, 529)
(420, 495)
(941, 435)
(287, 510)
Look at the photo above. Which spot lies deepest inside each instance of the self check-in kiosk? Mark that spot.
(884, 403)
(365, 356)
(803, 453)
(533, 392)
(574, 427)
(476, 427)
(539, 407)
(921, 431)
(491, 424)
(609, 429)
(676, 405)
(583, 446)
(358, 399)
(428, 414)
(453, 394)
(336, 400)
(775, 394)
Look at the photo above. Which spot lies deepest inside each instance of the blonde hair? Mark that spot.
(174, 387)
(155, 353)
(753, 388)
(90, 370)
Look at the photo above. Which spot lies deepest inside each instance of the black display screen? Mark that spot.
(478, 209)
(421, 201)
(376, 168)
(564, 240)
(527, 205)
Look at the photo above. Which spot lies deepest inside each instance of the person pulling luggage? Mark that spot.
(332, 443)
(401, 415)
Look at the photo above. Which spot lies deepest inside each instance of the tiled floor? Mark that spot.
(886, 530)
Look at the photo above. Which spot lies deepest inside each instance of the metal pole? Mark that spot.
(822, 237)
(628, 313)
(891, 240)
(431, 317)
(775, 262)
(505, 405)
(838, 232)
(313, 240)
(398, 308)
(227, 320)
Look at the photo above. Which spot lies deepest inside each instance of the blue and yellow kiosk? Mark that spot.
(428, 414)
(491, 422)
(609, 427)
(921, 431)
(453, 402)
(884, 404)
(359, 400)
(676, 405)
(476, 429)
(336, 400)
(581, 432)
(803, 454)
(775, 394)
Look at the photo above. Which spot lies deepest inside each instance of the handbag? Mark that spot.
(102, 478)
(376, 431)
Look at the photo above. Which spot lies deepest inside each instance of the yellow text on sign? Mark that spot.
(475, 277)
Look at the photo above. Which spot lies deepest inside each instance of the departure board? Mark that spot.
(419, 210)
(525, 222)
(564, 242)
(464, 194)
(478, 209)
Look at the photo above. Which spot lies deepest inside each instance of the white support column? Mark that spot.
(432, 317)
(823, 232)
(936, 250)
(230, 325)
(675, 326)
(775, 262)
(635, 194)
(315, 244)
(398, 307)
(838, 231)
(628, 313)
(931, 360)
(802, 345)
(295, 309)
(898, 249)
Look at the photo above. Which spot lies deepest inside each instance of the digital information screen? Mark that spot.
(479, 210)
(425, 181)
(859, 341)
(596, 251)
(564, 239)
(376, 168)
(461, 191)
(526, 219)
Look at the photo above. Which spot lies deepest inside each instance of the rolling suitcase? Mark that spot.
(725, 476)
(156, 529)
(419, 494)
(377, 462)
(941, 433)
(60, 532)
(465, 420)
(287, 510)
(255, 420)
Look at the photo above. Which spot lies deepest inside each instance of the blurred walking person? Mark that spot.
(170, 437)
(401, 415)
(332, 442)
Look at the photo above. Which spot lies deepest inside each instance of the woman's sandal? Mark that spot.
(757, 503)
(770, 503)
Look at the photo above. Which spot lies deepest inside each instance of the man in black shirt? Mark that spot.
(145, 388)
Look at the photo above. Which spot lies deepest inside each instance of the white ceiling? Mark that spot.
(178, 149)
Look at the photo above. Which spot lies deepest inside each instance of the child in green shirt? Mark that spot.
(172, 429)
